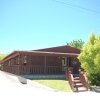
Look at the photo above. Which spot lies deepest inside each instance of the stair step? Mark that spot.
(77, 81)
(76, 78)
(79, 85)
(82, 89)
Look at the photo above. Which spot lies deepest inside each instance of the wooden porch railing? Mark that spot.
(70, 78)
(39, 69)
(33, 69)
(83, 78)
(11, 69)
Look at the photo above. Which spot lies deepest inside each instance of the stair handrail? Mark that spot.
(70, 78)
(83, 78)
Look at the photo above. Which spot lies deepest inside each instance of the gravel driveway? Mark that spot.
(12, 89)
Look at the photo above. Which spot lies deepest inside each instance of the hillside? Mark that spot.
(2, 56)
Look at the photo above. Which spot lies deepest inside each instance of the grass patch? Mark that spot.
(59, 85)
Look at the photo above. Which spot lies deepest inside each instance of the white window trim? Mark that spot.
(64, 61)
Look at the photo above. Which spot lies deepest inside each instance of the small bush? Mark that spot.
(95, 78)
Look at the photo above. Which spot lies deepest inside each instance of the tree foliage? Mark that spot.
(76, 43)
(90, 59)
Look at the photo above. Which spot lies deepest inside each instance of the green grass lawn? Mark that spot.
(59, 85)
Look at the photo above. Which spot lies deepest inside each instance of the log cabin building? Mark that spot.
(53, 60)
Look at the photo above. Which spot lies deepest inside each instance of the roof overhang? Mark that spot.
(48, 53)
(38, 53)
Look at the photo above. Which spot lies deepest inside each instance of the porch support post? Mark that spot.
(18, 61)
(45, 67)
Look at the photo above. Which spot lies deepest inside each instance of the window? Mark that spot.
(17, 60)
(74, 63)
(9, 63)
(25, 59)
(67, 61)
(64, 62)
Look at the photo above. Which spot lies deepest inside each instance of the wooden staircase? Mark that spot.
(78, 85)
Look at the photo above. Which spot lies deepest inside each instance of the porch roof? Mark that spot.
(49, 53)
(43, 53)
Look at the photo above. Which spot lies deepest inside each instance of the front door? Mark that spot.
(64, 61)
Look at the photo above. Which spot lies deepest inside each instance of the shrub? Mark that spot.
(90, 59)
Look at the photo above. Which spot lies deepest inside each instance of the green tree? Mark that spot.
(76, 43)
(90, 59)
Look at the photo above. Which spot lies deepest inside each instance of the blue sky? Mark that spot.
(34, 24)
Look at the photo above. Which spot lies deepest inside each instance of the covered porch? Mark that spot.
(37, 62)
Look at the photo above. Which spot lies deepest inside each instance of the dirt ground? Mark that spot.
(11, 88)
